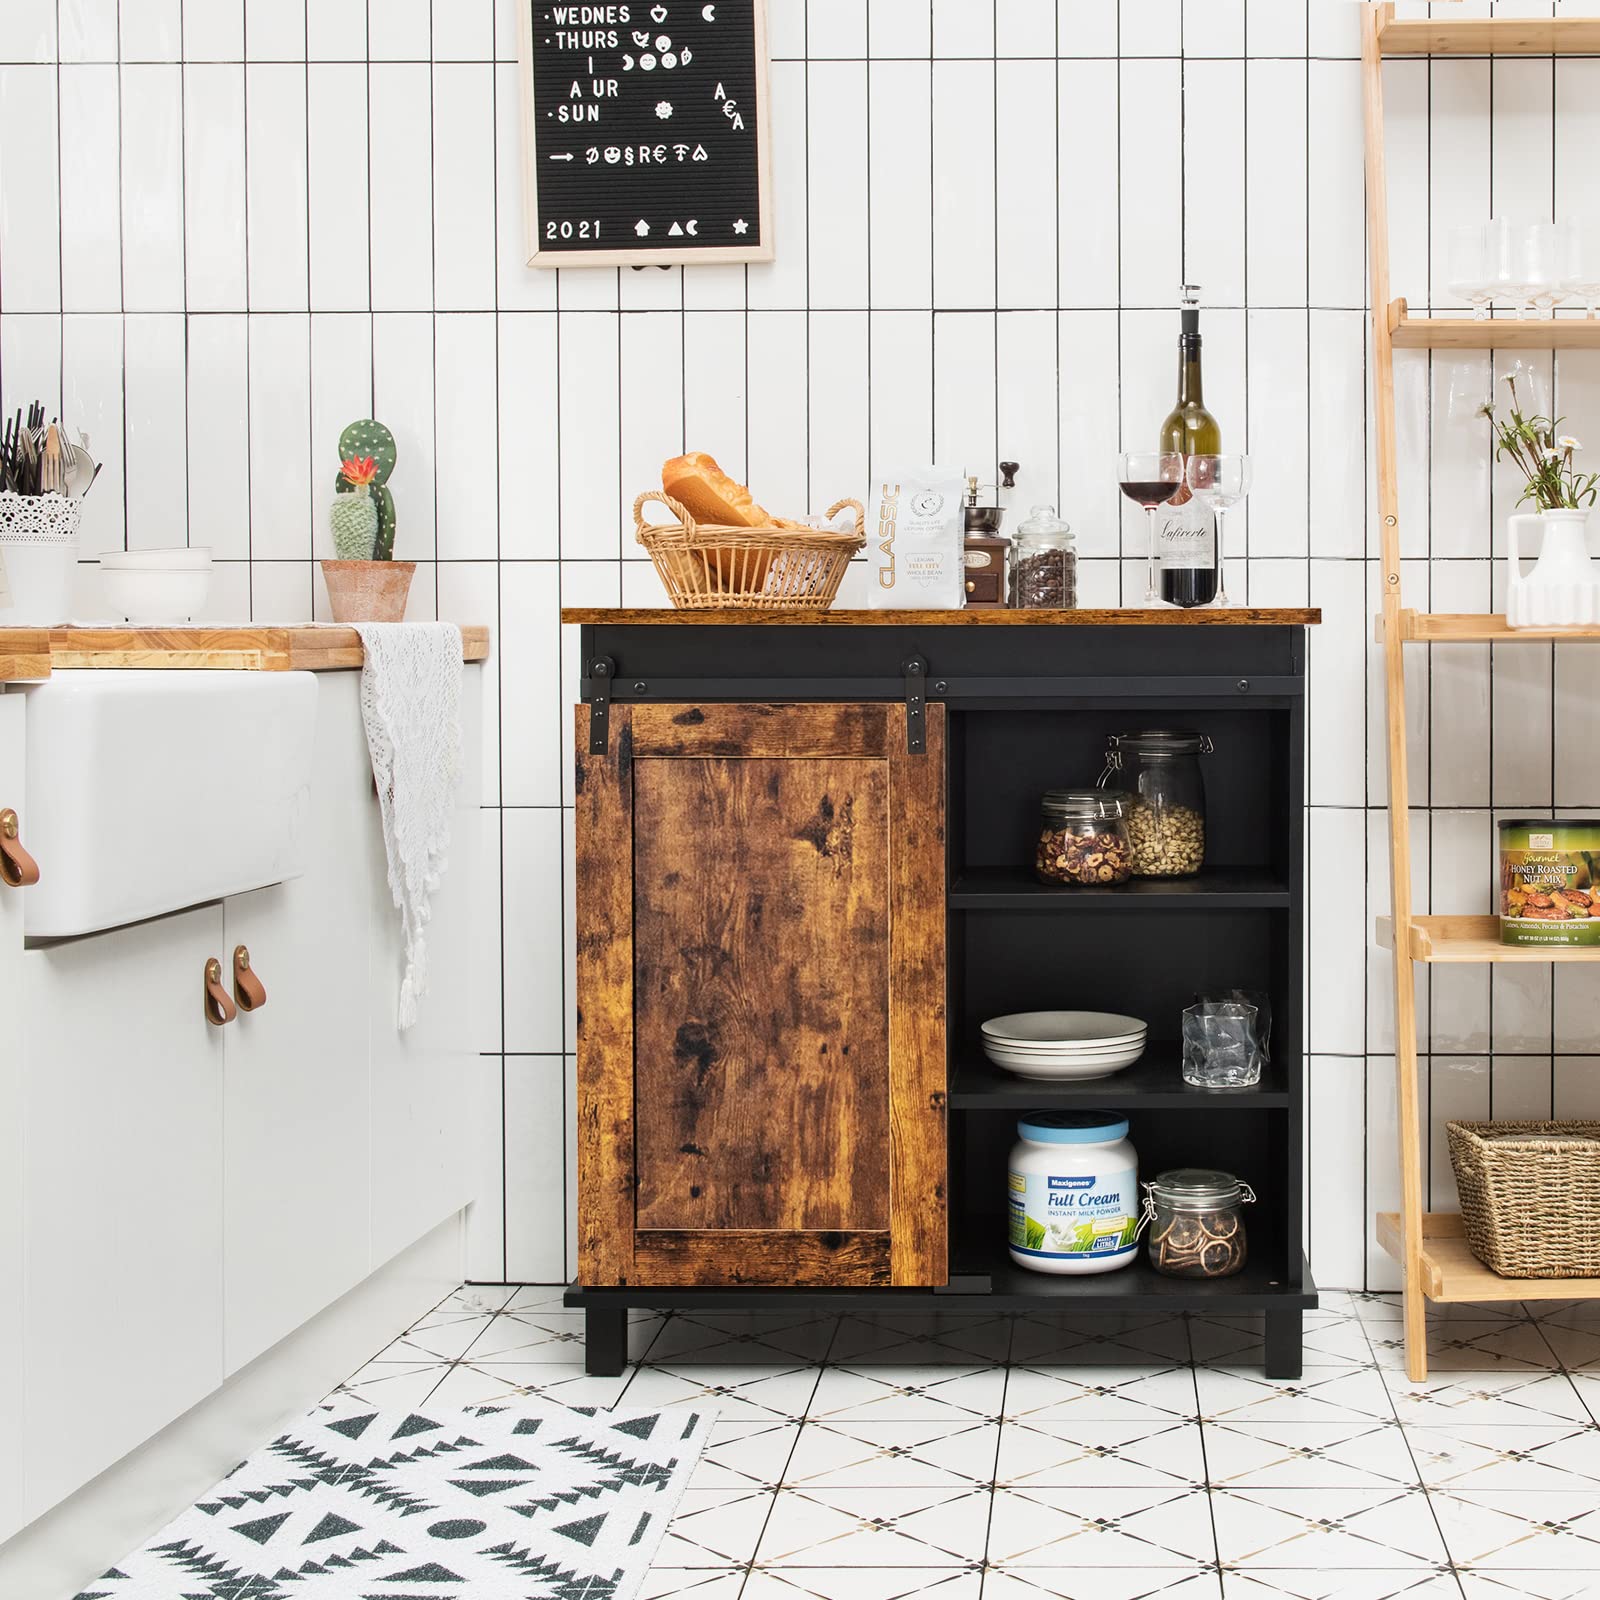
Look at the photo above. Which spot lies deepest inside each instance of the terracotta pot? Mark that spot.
(368, 591)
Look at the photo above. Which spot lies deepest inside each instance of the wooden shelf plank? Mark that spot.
(1486, 36)
(1004, 617)
(1445, 627)
(1463, 939)
(1497, 333)
(1451, 1272)
(1212, 888)
(1155, 1082)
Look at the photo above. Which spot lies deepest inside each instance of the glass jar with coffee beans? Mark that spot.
(1166, 811)
(1196, 1220)
(1083, 838)
(1044, 563)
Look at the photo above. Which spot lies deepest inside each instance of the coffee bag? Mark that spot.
(914, 551)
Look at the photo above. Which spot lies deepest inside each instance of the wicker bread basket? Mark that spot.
(707, 566)
(1530, 1196)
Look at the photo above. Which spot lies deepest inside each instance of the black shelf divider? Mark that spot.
(1212, 888)
(1153, 1083)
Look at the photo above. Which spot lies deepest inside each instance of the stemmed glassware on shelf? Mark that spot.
(1151, 478)
(1528, 266)
(1468, 266)
(1583, 265)
(1219, 483)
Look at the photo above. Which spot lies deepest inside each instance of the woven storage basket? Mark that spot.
(1530, 1196)
(708, 566)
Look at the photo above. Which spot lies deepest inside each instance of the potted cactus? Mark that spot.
(365, 582)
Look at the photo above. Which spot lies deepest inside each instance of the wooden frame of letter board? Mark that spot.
(643, 258)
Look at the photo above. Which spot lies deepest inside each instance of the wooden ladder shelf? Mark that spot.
(1430, 1247)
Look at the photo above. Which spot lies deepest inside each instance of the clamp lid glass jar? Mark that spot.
(1044, 563)
(1083, 837)
(1160, 769)
(1196, 1217)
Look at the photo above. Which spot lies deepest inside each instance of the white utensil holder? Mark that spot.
(39, 547)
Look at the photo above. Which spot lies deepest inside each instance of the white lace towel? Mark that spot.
(411, 704)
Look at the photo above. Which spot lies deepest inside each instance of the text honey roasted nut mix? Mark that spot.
(1548, 892)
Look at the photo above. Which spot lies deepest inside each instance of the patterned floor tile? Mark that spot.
(715, 1528)
(909, 1394)
(745, 1455)
(1308, 1455)
(440, 1336)
(735, 1394)
(1539, 1530)
(1460, 1398)
(531, 1336)
(484, 1299)
(679, 1583)
(864, 1583)
(875, 1528)
(1325, 1529)
(1075, 1527)
(1471, 1347)
(1099, 1583)
(1576, 1347)
(904, 1341)
(1111, 1455)
(1525, 1585)
(1495, 1458)
(1239, 1342)
(1100, 1342)
(897, 1455)
(392, 1385)
(747, 1341)
(467, 1385)
(1319, 1394)
(1106, 1394)
(1413, 1583)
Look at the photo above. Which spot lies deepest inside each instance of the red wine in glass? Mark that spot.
(1150, 492)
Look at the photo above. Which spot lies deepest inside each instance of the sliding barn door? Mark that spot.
(761, 1038)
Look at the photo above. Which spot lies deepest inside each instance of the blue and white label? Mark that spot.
(1073, 1216)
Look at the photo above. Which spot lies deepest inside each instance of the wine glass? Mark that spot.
(1469, 272)
(1546, 246)
(1219, 482)
(1582, 279)
(1151, 478)
(1504, 261)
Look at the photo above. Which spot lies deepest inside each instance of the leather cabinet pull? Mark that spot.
(17, 868)
(219, 1005)
(248, 990)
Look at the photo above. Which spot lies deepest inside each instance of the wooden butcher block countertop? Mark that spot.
(32, 653)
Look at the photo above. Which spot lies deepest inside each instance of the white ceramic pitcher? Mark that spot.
(1563, 590)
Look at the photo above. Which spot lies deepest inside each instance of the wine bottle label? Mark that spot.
(1186, 534)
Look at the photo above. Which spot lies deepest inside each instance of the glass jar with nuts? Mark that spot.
(1083, 837)
(1166, 805)
(1196, 1218)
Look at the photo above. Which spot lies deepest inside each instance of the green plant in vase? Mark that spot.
(365, 582)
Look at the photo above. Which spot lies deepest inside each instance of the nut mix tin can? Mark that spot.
(1549, 894)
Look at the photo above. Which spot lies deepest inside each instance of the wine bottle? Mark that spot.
(1186, 538)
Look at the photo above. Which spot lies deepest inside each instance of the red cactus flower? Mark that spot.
(359, 470)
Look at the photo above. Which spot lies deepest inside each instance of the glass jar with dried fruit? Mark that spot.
(1083, 838)
(1196, 1218)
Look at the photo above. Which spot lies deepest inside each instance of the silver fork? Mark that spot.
(50, 463)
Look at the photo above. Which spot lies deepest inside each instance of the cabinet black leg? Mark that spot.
(1283, 1341)
(605, 1341)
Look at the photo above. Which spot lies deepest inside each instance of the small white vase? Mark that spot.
(1563, 590)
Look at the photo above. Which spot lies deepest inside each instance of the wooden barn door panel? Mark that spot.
(761, 997)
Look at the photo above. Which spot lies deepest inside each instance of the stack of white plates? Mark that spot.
(1064, 1045)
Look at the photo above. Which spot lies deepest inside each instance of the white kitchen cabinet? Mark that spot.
(11, 1059)
(297, 1104)
(122, 1285)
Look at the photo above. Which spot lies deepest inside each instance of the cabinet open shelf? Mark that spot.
(1213, 888)
(1450, 1271)
(1445, 627)
(1487, 36)
(1473, 939)
(1154, 1083)
(1408, 332)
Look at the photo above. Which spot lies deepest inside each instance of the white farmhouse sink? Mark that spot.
(151, 791)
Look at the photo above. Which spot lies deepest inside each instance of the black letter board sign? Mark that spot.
(645, 132)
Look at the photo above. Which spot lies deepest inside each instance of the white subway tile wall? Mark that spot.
(227, 227)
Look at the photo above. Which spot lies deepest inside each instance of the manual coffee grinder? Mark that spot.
(985, 547)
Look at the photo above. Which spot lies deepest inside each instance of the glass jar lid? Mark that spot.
(1084, 805)
(1198, 1189)
(1043, 524)
(1162, 742)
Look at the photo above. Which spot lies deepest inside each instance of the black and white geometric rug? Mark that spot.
(491, 1503)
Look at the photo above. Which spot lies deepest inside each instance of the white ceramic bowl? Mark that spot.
(1064, 1029)
(1065, 1047)
(1033, 1058)
(1058, 1071)
(156, 585)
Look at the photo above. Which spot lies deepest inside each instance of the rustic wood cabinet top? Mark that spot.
(1276, 617)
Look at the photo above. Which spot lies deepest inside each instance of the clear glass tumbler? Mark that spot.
(1221, 1049)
